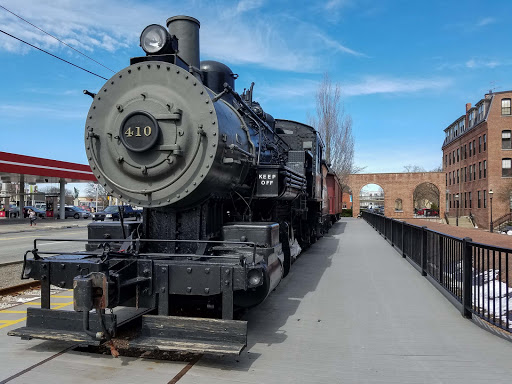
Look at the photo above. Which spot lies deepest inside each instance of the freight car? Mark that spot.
(231, 196)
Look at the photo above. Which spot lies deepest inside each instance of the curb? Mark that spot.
(44, 229)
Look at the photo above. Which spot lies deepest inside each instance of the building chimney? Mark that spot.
(468, 107)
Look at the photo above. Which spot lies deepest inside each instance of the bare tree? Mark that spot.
(335, 127)
(90, 191)
(416, 168)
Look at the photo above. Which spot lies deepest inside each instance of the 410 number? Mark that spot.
(137, 132)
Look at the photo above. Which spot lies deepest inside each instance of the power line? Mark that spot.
(56, 38)
(51, 54)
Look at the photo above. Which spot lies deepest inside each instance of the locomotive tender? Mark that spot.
(230, 195)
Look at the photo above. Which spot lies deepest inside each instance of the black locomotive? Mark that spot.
(230, 198)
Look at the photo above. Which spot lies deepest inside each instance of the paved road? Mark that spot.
(351, 311)
(14, 245)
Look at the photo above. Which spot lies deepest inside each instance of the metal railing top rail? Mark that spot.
(502, 219)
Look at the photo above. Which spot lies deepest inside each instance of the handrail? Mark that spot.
(502, 219)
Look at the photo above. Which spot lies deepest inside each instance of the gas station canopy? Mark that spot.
(39, 170)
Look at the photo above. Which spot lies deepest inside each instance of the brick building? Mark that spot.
(477, 158)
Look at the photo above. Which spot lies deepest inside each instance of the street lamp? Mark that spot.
(491, 229)
(457, 212)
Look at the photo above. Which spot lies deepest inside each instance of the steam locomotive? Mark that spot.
(231, 196)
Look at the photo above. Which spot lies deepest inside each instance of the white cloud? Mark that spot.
(248, 5)
(485, 21)
(371, 85)
(229, 32)
(334, 4)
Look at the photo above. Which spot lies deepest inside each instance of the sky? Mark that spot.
(406, 68)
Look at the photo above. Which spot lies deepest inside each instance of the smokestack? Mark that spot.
(186, 29)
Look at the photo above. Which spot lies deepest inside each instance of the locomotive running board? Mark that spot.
(191, 334)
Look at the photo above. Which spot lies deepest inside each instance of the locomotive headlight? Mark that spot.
(154, 39)
(255, 277)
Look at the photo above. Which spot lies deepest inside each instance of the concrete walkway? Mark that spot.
(351, 311)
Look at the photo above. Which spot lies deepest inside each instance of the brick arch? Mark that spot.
(397, 186)
(437, 186)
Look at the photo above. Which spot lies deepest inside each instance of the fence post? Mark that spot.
(467, 272)
(441, 261)
(391, 232)
(403, 236)
(424, 251)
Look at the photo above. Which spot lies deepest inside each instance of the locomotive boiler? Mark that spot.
(230, 198)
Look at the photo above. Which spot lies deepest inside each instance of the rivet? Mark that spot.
(214, 145)
(201, 175)
(202, 92)
(149, 65)
(226, 282)
(168, 200)
(206, 290)
(214, 133)
(177, 71)
(138, 67)
(207, 165)
(178, 196)
(162, 289)
(211, 156)
(112, 82)
(195, 83)
(194, 183)
(158, 66)
(207, 270)
(120, 76)
(186, 76)
(163, 270)
(93, 107)
(227, 271)
(189, 270)
(105, 90)
(213, 122)
(168, 68)
(189, 289)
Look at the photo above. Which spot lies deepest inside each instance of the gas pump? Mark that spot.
(51, 205)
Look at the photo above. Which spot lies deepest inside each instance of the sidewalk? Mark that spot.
(23, 225)
(476, 234)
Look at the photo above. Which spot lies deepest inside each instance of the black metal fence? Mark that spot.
(478, 276)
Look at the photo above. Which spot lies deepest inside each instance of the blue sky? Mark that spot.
(406, 68)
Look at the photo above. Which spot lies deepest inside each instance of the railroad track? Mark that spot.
(19, 288)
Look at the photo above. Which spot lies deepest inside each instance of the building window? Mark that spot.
(465, 174)
(505, 106)
(470, 148)
(445, 161)
(506, 168)
(485, 169)
(470, 172)
(457, 176)
(398, 205)
(471, 118)
(458, 152)
(465, 200)
(453, 154)
(505, 139)
(481, 112)
(465, 151)
(474, 171)
(479, 201)
(480, 170)
(485, 142)
(450, 201)
(450, 159)
(446, 177)
(485, 198)
(474, 147)
(469, 199)
(479, 144)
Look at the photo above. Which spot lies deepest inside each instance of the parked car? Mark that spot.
(39, 212)
(14, 211)
(85, 208)
(112, 213)
(72, 211)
